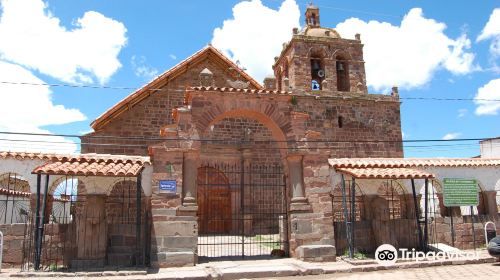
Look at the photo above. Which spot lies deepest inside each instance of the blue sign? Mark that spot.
(315, 85)
(168, 186)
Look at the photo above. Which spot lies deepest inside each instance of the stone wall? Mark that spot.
(56, 236)
(463, 230)
(148, 117)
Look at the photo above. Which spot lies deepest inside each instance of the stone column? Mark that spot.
(490, 199)
(295, 168)
(246, 166)
(190, 174)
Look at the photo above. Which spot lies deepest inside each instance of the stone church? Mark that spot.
(205, 163)
(247, 157)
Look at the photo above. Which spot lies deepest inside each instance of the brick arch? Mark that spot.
(318, 52)
(267, 120)
(341, 53)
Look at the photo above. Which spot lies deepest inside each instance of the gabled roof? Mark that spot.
(163, 78)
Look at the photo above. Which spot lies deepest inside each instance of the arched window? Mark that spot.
(68, 197)
(337, 204)
(342, 68)
(14, 198)
(317, 73)
(393, 193)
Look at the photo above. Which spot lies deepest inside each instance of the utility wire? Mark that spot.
(142, 138)
(171, 90)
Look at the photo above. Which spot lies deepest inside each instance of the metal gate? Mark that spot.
(80, 231)
(385, 220)
(242, 211)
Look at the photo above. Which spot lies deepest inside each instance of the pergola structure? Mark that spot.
(393, 173)
(99, 176)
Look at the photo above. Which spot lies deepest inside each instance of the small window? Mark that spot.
(340, 121)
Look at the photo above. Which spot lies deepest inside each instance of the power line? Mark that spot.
(180, 90)
(143, 138)
(67, 85)
(56, 144)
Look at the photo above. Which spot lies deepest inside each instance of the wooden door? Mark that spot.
(214, 201)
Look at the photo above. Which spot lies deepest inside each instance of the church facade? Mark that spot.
(247, 159)
(204, 163)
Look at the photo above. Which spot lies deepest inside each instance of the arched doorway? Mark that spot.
(214, 201)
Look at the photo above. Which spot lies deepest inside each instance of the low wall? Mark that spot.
(463, 230)
(56, 238)
(13, 241)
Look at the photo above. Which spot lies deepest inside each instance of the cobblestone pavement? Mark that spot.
(451, 272)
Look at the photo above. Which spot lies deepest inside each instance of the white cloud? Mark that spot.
(26, 108)
(489, 91)
(462, 113)
(492, 31)
(141, 69)
(408, 55)
(33, 37)
(172, 56)
(452, 135)
(256, 33)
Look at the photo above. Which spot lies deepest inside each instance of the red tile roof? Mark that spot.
(411, 162)
(386, 173)
(144, 91)
(27, 155)
(94, 165)
(4, 191)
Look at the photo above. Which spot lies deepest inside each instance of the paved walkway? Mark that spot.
(470, 271)
(271, 269)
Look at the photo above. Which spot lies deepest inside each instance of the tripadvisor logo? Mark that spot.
(387, 254)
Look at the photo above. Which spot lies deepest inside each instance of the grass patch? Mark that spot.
(267, 241)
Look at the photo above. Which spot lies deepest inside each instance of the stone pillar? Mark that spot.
(299, 201)
(190, 175)
(491, 207)
(174, 229)
(246, 155)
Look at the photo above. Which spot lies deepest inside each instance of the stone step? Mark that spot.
(120, 240)
(121, 249)
(120, 259)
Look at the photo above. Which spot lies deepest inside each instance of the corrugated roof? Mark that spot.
(386, 173)
(411, 162)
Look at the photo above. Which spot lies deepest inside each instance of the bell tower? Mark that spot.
(312, 16)
(318, 61)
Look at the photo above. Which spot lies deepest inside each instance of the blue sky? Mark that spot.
(427, 48)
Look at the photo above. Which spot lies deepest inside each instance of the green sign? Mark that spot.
(460, 192)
